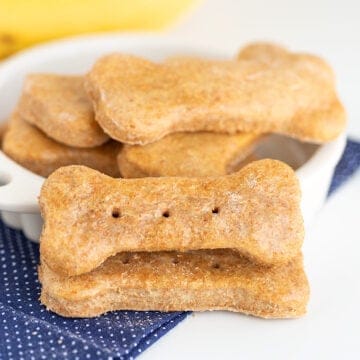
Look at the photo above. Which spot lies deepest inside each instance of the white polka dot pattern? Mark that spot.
(29, 331)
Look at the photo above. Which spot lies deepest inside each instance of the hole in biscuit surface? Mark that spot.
(166, 214)
(216, 266)
(115, 213)
(175, 261)
(215, 210)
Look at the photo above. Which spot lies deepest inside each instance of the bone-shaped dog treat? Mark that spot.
(32, 149)
(59, 106)
(138, 101)
(89, 216)
(187, 154)
(170, 281)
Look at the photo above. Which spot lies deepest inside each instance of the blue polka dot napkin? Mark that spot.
(348, 164)
(28, 331)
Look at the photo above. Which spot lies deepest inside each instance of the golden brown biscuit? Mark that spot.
(187, 154)
(138, 101)
(3, 129)
(89, 216)
(32, 149)
(59, 106)
(170, 281)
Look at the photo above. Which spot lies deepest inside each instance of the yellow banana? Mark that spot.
(25, 22)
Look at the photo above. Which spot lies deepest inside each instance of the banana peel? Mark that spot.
(26, 22)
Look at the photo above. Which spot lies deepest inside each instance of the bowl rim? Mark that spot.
(327, 155)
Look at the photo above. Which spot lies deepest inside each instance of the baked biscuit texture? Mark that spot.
(187, 154)
(32, 149)
(266, 90)
(3, 129)
(59, 106)
(89, 217)
(171, 281)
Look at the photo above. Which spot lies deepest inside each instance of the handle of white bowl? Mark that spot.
(19, 188)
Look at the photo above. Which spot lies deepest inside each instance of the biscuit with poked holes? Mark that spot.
(59, 106)
(32, 149)
(138, 101)
(187, 154)
(89, 216)
(169, 281)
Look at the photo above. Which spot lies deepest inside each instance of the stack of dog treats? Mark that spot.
(203, 227)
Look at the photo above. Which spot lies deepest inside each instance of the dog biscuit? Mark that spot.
(59, 106)
(32, 149)
(89, 216)
(170, 281)
(138, 101)
(3, 129)
(187, 154)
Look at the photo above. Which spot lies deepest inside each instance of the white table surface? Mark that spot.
(331, 329)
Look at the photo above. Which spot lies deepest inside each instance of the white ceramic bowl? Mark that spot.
(19, 188)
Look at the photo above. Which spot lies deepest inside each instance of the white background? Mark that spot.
(331, 328)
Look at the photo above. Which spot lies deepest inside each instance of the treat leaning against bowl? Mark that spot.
(35, 151)
(187, 154)
(59, 106)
